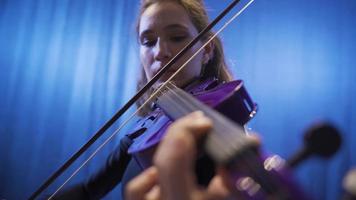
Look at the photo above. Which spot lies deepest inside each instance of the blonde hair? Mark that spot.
(216, 67)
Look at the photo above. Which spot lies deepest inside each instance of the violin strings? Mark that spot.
(228, 143)
(191, 109)
(217, 142)
(224, 143)
(229, 138)
(187, 104)
(152, 96)
(174, 105)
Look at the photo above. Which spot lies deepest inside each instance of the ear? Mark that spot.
(208, 53)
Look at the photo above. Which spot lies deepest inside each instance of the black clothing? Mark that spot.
(120, 167)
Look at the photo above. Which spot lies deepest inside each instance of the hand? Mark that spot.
(172, 175)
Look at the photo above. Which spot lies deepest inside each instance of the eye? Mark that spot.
(148, 42)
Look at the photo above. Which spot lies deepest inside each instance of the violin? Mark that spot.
(230, 107)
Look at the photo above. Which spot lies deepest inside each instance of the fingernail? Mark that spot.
(152, 171)
(197, 114)
(202, 119)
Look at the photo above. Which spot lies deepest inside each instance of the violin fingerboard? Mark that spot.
(225, 139)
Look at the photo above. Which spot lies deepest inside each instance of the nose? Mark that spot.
(162, 52)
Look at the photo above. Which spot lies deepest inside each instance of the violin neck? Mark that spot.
(225, 139)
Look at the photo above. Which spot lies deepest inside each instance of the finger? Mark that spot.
(175, 156)
(254, 138)
(195, 124)
(179, 145)
(137, 188)
(217, 188)
(154, 193)
(225, 178)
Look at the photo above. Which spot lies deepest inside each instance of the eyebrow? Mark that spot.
(176, 26)
(167, 28)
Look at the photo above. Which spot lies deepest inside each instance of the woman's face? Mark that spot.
(165, 28)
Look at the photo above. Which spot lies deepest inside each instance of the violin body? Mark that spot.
(269, 178)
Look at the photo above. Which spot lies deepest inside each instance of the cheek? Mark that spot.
(146, 62)
(195, 65)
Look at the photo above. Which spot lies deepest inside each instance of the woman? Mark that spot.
(164, 27)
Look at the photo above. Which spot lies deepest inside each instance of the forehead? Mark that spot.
(162, 15)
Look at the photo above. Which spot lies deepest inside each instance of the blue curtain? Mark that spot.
(67, 66)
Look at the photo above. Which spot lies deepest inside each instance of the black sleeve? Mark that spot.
(103, 181)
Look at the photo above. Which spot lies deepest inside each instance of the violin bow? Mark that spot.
(138, 95)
